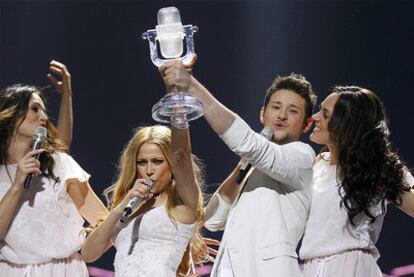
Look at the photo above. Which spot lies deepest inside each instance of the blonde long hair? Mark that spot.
(127, 174)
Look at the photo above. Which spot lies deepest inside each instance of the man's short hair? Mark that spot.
(298, 84)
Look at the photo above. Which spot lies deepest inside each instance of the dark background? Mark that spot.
(242, 47)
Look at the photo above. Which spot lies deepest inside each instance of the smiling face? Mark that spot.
(320, 133)
(285, 114)
(35, 117)
(151, 163)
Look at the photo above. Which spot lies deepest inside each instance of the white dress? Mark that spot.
(332, 246)
(47, 231)
(151, 245)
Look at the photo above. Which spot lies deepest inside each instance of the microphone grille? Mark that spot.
(40, 134)
(168, 15)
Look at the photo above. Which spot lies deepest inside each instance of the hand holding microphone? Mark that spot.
(136, 200)
(30, 161)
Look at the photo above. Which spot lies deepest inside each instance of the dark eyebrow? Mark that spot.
(326, 111)
(38, 104)
(294, 106)
(275, 102)
(290, 105)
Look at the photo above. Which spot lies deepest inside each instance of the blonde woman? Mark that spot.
(154, 239)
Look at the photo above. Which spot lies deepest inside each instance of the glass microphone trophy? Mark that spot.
(175, 108)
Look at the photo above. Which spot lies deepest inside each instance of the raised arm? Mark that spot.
(186, 184)
(290, 163)
(176, 75)
(275, 160)
(60, 77)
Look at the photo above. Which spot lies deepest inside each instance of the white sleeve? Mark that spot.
(216, 213)
(409, 178)
(290, 163)
(67, 168)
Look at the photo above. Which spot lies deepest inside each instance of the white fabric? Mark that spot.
(67, 267)
(290, 163)
(47, 225)
(263, 228)
(151, 245)
(216, 213)
(225, 269)
(330, 239)
(354, 263)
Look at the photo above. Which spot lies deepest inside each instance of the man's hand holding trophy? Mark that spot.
(166, 43)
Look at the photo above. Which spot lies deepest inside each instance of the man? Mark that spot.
(264, 217)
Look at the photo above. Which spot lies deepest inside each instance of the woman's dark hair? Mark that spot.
(368, 170)
(14, 104)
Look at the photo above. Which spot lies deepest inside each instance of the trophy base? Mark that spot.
(177, 109)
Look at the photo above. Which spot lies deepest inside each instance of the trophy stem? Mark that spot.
(179, 121)
(177, 109)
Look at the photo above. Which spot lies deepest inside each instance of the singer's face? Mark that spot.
(35, 117)
(285, 113)
(320, 134)
(151, 163)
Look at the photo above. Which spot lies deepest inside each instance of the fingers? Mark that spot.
(211, 252)
(30, 163)
(209, 241)
(31, 166)
(175, 76)
(59, 69)
(53, 80)
(60, 77)
(190, 65)
(141, 189)
(210, 258)
(34, 153)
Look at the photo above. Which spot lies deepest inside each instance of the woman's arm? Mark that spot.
(85, 199)
(100, 239)
(407, 204)
(218, 208)
(63, 85)
(9, 203)
(92, 209)
(186, 185)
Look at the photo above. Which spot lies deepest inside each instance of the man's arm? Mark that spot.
(217, 115)
(291, 163)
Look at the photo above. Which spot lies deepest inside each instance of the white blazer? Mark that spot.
(263, 227)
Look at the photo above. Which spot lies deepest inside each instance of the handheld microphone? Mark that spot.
(267, 132)
(39, 138)
(133, 203)
(170, 32)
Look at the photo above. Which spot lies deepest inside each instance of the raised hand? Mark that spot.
(177, 75)
(60, 77)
